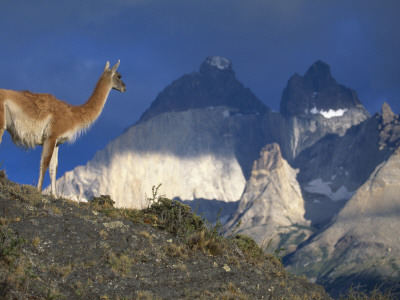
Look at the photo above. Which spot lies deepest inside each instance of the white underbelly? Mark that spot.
(69, 136)
(24, 130)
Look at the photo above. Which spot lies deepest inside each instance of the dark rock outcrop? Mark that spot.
(318, 90)
(214, 85)
(389, 135)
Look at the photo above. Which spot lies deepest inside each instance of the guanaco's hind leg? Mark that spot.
(1, 134)
(47, 153)
(53, 170)
(2, 120)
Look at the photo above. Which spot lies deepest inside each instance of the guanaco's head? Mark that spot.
(117, 83)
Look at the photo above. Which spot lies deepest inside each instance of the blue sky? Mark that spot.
(61, 47)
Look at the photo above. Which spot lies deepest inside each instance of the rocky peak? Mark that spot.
(317, 92)
(320, 75)
(388, 115)
(215, 63)
(389, 128)
(270, 159)
(272, 206)
(214, 85)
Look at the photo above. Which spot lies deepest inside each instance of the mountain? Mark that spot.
(271, 209)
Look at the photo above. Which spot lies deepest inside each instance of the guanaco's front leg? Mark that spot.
(47, 153)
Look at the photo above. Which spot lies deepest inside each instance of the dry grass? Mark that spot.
(120, 263)
(36, 241)
(63, 270)
(376, 294)
(144, 295)
(144, 234)
(104, 234)
(174, 250)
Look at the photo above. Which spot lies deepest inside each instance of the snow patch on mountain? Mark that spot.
(328, 114)
(219, 62)
(226, 113)
(318, 186)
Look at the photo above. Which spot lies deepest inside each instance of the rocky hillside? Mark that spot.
(56, 248)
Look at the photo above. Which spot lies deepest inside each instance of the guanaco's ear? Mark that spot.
(116, 66)
(107, 66)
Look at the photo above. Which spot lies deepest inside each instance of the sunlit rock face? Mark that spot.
(271, 209)
(190, 162)
(305, 130)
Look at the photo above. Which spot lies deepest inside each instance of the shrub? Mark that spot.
(9, 245)
(104, 201)
(175, 217)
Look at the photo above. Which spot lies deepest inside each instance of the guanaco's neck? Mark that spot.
(91, 109)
